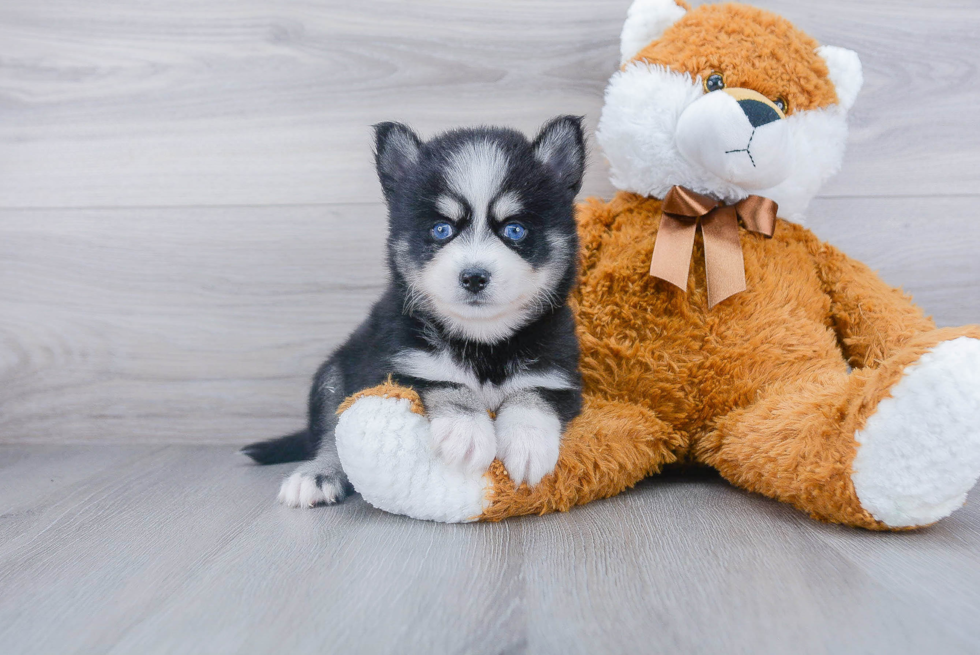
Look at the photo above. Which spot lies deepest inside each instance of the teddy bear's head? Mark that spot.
(727, 100)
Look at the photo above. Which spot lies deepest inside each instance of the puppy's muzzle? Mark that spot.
(474, 280)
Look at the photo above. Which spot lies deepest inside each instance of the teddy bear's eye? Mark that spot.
(715, 82)
(779, 102)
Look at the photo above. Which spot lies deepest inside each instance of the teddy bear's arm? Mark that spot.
(594, 217)
(871, 318)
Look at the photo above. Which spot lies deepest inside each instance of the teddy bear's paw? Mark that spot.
(385, 450)
(465, 441)
(307, 489)
(528, 440)
(919, 453)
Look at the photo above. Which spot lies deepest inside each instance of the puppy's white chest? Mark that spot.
(440, 367)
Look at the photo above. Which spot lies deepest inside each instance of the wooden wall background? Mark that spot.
(189, 219)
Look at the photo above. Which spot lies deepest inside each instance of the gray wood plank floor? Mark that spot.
(180, 549)
(189, 222)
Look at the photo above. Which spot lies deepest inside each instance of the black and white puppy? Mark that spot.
(482, 253)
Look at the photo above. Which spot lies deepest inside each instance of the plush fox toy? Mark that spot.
(712, 331)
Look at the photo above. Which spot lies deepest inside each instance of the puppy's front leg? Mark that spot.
(462, 431)
(528, 436)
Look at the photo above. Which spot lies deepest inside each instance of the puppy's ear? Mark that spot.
(396, 151)
(561, 147)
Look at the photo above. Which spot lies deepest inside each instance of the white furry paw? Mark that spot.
(303, 489)
(528, 439)
(386, 451)
(919, 453)
(465, 441)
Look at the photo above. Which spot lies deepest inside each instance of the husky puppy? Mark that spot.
(482, 252)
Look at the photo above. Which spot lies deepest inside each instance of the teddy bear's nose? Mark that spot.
(759, 109)
(758, 113)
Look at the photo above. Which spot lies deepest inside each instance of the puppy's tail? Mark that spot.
(294, 447)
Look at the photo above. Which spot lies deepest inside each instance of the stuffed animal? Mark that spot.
(712, 331)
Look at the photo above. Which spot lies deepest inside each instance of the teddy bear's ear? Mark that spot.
(646, 21)
(845, 73)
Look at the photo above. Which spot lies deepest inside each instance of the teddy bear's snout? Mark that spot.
(739, 135)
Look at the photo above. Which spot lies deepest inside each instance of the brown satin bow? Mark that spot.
(683, 211)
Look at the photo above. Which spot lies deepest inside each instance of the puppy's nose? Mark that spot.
(474, 280)
(758, 113)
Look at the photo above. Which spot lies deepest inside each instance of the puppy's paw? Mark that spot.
(528, 439)
(464, 441)
(307, 489)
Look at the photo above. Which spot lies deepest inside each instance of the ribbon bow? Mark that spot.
(683, 211)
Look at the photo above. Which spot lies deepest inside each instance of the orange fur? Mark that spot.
(609, 448)
(757, 387)
(751, 48)
(386, 390)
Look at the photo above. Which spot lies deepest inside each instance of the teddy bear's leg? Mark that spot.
(383, 443)
(610, 447)
(891, 447)
(384, 446)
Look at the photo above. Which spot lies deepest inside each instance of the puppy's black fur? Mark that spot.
(541, 179)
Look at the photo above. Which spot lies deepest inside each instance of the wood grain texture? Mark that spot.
(176, 325)
(926, 245)
(189, 222)
(180, 549)
(107, 103)
(161, 280)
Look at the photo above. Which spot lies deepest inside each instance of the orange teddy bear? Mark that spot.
(711, 331)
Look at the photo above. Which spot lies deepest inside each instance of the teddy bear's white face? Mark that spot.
(660, 128)
(739, 135)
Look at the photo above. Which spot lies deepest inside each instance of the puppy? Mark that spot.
(482, 253)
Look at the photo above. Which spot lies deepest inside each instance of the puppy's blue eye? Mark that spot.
(442, 231)
(514, 231)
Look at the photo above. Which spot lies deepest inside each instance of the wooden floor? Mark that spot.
(179, 549)
(189, 222)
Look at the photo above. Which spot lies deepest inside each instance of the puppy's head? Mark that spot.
(727, 100)
(482, 230)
